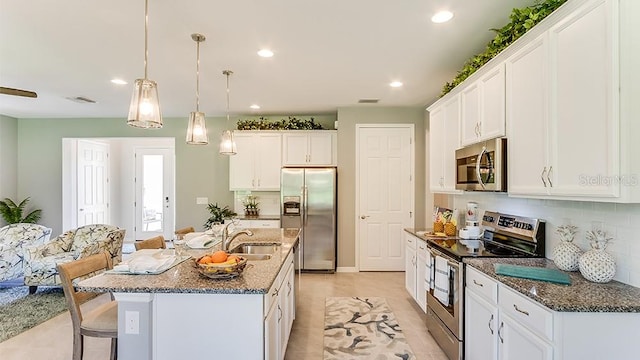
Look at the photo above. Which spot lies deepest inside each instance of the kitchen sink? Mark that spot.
(254, 249)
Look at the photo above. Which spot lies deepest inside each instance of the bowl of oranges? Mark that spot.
(220, 265)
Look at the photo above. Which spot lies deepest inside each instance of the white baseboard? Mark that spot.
(347, 269)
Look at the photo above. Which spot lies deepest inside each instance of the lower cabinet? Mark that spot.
(501, 323)
(415, 269)
(278, 321)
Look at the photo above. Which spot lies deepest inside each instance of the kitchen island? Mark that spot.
(182, 314)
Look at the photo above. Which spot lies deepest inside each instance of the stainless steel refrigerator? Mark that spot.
(308, 201)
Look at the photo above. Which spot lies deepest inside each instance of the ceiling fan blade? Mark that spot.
(17, 92)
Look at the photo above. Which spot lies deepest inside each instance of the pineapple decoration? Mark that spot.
(567, 254)
(450, 226)
(596, 264)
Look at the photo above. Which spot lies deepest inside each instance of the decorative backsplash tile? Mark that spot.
(621, 221)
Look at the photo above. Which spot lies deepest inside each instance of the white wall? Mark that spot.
(622, 221)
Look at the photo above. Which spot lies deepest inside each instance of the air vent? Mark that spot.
(81, 100)
(368, 101)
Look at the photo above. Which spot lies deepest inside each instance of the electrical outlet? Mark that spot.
(202, 200)
(132, 322)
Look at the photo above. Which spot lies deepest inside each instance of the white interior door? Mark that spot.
(93, 183)
(385, 189)
(154, 207)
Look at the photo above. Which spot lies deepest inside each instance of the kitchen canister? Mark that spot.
(597, 265)
(566, 255)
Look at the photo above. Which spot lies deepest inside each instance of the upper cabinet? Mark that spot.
(483, 107)
(444, 122)
(257, 164)
(562, 109)
(309, 148)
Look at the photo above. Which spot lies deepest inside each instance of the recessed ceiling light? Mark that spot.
(119, 81)
(266, 53)
(255, 107)
(396, 84)
(442, 16)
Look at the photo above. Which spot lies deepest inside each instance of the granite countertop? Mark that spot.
(581, 296)
(256, 278)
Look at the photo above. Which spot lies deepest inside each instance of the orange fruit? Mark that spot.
(205, 260)
(219, 256)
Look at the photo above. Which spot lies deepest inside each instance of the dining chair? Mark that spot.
(100, 322)
(180, 233)
(156, 242)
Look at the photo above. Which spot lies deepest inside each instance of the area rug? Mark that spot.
(20, 311)
(362, 328)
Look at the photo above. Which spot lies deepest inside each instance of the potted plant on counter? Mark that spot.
(218, 215)
(251, 206)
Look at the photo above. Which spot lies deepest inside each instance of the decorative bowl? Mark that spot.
(220, 271)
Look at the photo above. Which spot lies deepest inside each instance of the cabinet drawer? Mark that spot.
(527, 312)
(411, 241)
(482, 284)
(265, 223)
(421, 249)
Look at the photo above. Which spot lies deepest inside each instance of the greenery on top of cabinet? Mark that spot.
(292, 123)
(522, 20)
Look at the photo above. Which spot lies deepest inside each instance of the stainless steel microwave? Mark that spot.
(482, 166)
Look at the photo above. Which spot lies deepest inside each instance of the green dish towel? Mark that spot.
(534, 273)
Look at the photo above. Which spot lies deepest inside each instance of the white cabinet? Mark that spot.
(483, 107)
(491, 331)
(309, 148)
(444, 122)
(280, 302)
(415, 269)
(266, 224)
(257, 164)
(563, 124)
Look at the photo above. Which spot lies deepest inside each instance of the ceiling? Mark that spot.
(328, 54)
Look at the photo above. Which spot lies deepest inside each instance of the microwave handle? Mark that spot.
(484, 150)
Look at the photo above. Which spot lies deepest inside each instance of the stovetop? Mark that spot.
(504, 236)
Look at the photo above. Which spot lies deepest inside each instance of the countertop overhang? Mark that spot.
(256, 278)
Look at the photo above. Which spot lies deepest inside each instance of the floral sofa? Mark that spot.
(13, 239)
(41, 262)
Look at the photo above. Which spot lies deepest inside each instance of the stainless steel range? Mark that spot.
(504, 236)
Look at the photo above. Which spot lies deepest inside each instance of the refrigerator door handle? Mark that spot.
(305, 196)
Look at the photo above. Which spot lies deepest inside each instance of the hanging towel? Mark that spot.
(441, 286)
(429, 273)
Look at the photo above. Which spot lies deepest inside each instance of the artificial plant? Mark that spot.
(12, 212)
(218, 214)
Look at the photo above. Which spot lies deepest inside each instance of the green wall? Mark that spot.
(8, 158)
(347, 120)
(200, 170)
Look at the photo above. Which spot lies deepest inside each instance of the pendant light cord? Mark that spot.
(146, 25)
(198, 75)
(227, 72)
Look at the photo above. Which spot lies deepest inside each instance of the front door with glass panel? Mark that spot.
(154, 182)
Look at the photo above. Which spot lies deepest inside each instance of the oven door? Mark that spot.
(450, 314)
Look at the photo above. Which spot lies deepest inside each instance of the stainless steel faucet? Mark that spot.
(226, 240)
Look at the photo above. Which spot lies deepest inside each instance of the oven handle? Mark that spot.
(450, 261)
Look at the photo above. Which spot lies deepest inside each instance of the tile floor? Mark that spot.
(52, 339)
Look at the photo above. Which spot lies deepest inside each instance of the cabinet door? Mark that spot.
(481, 320)
(320, 149)
(516, 342)
(269, 162)
(470, 114)
(241, 165)
(436, 149)
(410, 271)
(290, 305)
(492, 119)
(451, 143)
(271, 334)
(421, 268)
(282, 323)
(584, 121)
(295, 149)
(527, 116)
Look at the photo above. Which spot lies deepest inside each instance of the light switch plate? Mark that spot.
(202, 200)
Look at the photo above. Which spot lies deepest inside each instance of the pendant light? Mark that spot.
(227, 143)
(144, 110)
(197, 129)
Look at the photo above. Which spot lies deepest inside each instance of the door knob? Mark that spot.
(364, 217)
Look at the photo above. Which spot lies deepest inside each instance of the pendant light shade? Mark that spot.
(227, 143)
(144, 110)
(197, 129)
